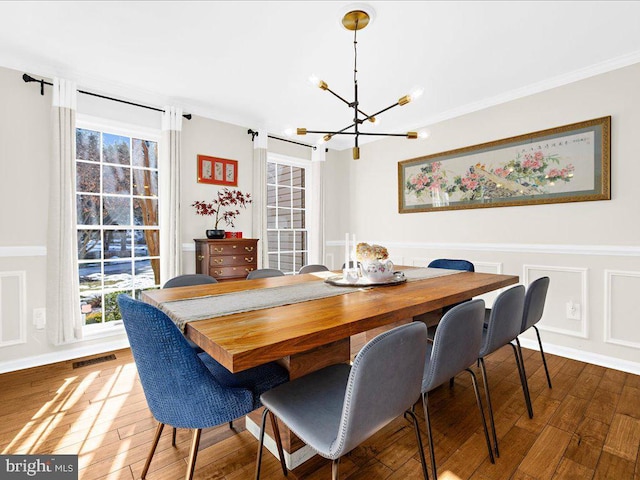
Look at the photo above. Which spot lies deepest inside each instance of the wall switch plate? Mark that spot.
(573, 311)
(39, 318)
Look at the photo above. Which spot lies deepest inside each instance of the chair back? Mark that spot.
(383, 383)
(456, 343)
(264, 273)
(534, 302)
(190, 279)
(504, 321)
(312, 269)
(452, 264)
(179, 389)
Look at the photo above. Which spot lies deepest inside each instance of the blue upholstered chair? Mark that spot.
(502, 329)
(312, 269)
(188, 280)
(265, 273)
(533, 308)
(452, 264)
(336, 408)
(184, 389)
(455, 347)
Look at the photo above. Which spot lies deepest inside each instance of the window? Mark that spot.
(287, 230)
(117, 219)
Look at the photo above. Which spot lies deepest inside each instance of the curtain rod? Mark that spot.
(255, 133)
(29, 78)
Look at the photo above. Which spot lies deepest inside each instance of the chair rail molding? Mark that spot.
(24, 251)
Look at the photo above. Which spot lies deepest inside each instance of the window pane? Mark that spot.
(300, 259)
(145, 211)
(90, 277)
(271, 217)
(271, 195)
(284, 197)
(284, 218)
(298, 176)
(116, 180)
(298, 219)
(116, 211)
(273, 260)
(286, 241)
(272, 238)
(298, 198)
(117, 243)
(301, 240)
(145, 153)
(286, 263)
(146, 243)
(87, 145)
(271, 173)
(87, 177)
(115, 149)
(145, 183)
(284, 175)
(91, 306)
(88, 209)
(118, 276)
(89, 245)
(111, 310)
(145, 274)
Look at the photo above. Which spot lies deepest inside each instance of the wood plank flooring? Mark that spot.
(586, 427)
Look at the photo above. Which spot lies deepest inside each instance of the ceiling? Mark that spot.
(247, 62)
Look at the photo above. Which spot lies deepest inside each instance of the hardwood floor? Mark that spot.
(586, 427)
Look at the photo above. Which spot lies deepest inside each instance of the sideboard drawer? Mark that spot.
(232, 260)
(227, 259)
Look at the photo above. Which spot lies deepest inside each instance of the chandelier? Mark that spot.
(356, 20)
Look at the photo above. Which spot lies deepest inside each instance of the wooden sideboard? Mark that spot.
(226, 259)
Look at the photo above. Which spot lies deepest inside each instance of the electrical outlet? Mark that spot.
(39, 317)
(573, 311)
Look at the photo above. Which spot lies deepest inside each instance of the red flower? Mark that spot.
(226, 198)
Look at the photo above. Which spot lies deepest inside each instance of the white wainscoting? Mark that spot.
(621, 304)
(13, 308)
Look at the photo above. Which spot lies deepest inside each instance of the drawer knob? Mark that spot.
(249, 249)
(248, 259)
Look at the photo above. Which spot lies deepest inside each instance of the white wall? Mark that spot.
(581, 246)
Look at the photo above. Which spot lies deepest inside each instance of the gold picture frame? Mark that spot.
(571, 163)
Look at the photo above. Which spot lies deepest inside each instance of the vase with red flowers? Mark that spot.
(225, 207)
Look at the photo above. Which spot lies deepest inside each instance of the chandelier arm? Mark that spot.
(384, 110)
(339, 97)
(384, 134)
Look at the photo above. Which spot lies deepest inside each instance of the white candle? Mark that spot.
(355, 263)
(346, 250)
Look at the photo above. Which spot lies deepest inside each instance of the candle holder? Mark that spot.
(350, 275)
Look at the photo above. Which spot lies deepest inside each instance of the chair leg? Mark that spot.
(517, 351)
(173, 437)
(427, 420)
(193, 453)
(335, 469)
(544, 360)
(156, 438)
(483, 370)
(231, 424)
(276, 433)
(259, 459)
(484, 421)
(419, 441)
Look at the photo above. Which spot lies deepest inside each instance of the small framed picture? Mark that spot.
(217, 171)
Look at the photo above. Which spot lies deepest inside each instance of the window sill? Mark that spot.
(96, 332)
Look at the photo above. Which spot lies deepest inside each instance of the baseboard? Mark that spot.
(582, 356)
(64, 355)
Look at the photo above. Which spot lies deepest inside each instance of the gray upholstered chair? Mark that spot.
(190, 279)
(503, 327)
(533, 308)
(313, 268)
(454, 348)
(336, 408)
(265, 273)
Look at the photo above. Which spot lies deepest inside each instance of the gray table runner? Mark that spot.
(188, 310)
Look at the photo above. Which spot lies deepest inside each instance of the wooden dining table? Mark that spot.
(307, 336)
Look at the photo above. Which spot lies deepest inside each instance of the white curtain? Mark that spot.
(259, 195)
(169, 193)
(316, 214)
(64, 322)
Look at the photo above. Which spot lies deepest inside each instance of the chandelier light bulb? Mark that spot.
(314, 80)
(416, 93)
(423, 134)
(288, 132)
(375, 121)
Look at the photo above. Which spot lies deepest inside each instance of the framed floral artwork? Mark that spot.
(217, 171)
(570, 163)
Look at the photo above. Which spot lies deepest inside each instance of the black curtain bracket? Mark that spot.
(28, 79)
(255, 133)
